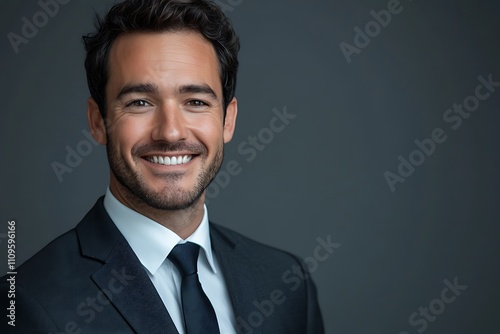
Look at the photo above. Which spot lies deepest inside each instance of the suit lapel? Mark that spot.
(136, 297)
(133, 293)
(240, 280)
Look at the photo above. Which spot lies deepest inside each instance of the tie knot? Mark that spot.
(185, 258)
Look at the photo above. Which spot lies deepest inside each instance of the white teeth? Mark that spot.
(171, 161)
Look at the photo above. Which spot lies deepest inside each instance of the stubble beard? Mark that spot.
(171, 197)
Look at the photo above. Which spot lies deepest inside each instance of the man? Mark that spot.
(146, 259)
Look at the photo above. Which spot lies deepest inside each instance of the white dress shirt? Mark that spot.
(152, 243)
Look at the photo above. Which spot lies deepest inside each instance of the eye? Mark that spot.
(197, 103)
(138, 103)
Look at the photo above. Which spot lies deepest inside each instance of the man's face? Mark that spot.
(165, 126)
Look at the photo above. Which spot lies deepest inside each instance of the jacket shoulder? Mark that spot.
(257, 248)
(271, 272)
(52, 257)
(257, 254)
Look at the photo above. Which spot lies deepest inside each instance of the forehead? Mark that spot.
(165, 58)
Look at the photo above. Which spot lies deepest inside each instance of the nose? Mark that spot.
(169, 124)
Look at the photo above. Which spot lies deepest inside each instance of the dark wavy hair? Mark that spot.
(130, 16)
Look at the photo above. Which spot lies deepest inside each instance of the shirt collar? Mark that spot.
(151, 241)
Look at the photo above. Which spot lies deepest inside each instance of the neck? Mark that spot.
(182, 222)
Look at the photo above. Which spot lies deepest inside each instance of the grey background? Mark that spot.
(323, 174)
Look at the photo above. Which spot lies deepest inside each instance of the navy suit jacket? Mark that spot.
(89, 280)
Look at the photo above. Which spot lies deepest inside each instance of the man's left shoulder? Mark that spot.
(255, 252)
(270, 276)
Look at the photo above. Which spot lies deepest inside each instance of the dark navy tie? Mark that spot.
(199, 315)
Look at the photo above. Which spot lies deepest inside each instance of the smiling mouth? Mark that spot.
(170, 161)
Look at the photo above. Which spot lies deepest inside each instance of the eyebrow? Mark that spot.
(140, 88)
(193, 89)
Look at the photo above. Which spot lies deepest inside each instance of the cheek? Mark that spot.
(126, 133)
(208, 128)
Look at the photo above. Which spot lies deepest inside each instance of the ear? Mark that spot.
(230, 120)
(96, 122)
